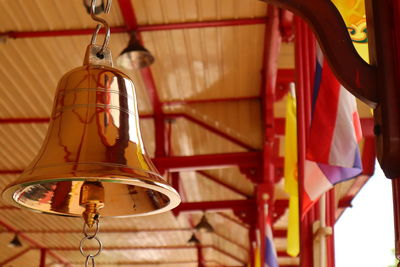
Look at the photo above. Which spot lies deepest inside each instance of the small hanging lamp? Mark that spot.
(15, 242)
(92, 162)
(204, 225)
(135, 55)
(193, 240)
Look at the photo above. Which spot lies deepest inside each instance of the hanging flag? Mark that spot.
(290, 175)
(257, 257)
(271, 259)
(332, 149)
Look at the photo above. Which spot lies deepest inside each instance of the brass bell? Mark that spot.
(93, 158)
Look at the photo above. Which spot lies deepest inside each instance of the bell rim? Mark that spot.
(167, 190)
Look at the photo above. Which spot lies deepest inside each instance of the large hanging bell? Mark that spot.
(93, 154)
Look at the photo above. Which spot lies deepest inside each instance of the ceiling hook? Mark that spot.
(103, 23)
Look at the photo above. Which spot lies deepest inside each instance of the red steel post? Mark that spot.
(306, 253)
(42, 257)
(265, 190)
(128, 13)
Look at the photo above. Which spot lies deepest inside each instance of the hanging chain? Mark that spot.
(88, 236)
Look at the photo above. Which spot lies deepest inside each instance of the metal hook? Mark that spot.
(103, 22)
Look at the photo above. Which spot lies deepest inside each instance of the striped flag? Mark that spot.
(271, 259)
(332, 147)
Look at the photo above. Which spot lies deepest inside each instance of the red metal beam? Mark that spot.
(57, 33)
(232, 256)
(241, 205)
(223, 184)
(229, 240)
(34, 242)
(158, 120)
(280, 233)
(233, 220)
(110, 231)
(198, 162)
(16, 256)
(209, 100)
(128, 14)
(211, 263)
(237, 205)
(137, 28)
(211, 161)
(176, 247)
(217, 131)
(159, 124)
(367, 124)
(203, 24)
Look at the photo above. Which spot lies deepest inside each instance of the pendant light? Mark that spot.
(135, 55)
(193, 240)
(15, 242)
(204, 225)
(92, 162)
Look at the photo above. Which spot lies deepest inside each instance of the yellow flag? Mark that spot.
(353, 13)
(257, 257)
(290, 174)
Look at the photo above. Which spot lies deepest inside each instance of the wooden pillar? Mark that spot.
(383, 19)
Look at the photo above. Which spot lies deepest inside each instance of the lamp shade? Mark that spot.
(15, 242)
(135, 55)
(204, 225)
(193, 240)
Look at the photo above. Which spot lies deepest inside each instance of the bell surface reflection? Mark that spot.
(93, 136)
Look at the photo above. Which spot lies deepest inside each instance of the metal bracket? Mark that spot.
(352, 71)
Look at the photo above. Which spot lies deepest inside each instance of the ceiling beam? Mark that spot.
(222, 183)
(367, 124)
(34, 243)
(199, 162)
(138, 28)
(237, 205)
(176, 247)
(152, 263)
(210, 161)
(15, 256)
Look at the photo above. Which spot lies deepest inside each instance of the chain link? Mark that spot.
(89, 236)
(87, 261)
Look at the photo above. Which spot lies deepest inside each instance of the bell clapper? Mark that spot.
(92, 199)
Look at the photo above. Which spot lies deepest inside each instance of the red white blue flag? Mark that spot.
(332, 153)
(271, 259)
